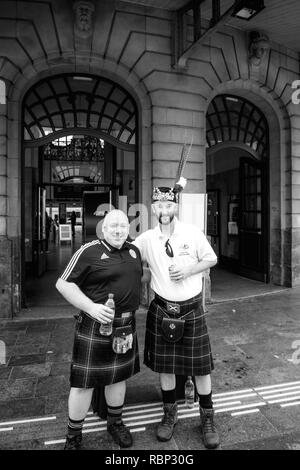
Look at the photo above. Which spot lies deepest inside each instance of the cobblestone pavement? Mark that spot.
(256, 382)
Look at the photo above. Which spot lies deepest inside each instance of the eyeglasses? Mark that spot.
(169, 249)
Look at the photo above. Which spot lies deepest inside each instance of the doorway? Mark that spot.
(237, 186)
(79, 145)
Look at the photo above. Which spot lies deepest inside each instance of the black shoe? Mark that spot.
(120, 434)
(209, 431)
(73, 443)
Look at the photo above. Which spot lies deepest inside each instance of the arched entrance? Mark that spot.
(237, 184)
(80, 144)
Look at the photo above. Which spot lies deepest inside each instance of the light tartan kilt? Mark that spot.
(94, 363)
(191, 355)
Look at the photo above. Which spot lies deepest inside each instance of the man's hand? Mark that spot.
(179, 273)
(101, 313)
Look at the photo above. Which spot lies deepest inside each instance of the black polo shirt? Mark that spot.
(98, 269)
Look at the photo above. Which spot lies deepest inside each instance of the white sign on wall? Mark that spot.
(65, 232)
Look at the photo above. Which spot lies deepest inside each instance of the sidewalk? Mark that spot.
(256, 382)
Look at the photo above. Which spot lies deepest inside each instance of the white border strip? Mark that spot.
(280, 390)
(34, 420)
(276, 386)
(284, 399)
(278, 395)
(240, 407)
(246, 412)
(215, 395)
(290, 404)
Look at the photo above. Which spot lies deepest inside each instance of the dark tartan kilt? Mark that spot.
(191, 355)
(94, 363)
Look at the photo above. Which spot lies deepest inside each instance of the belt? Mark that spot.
(119, 315)
(177, 307)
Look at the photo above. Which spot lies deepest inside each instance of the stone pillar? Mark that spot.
(5, 244)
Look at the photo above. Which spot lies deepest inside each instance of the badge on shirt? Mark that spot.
(132, 253)
(183, 249)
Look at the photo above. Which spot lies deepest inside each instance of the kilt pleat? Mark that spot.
(191, 355)
(94, 363)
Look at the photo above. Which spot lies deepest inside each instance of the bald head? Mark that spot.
(115, 228)
(115, 216)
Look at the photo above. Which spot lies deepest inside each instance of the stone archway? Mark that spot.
(280, 180)
(15, 94)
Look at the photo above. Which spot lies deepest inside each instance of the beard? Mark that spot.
(171, 217)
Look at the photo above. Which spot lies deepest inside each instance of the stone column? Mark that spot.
(5, 243)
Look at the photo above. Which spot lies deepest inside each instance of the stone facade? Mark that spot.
(132, 45)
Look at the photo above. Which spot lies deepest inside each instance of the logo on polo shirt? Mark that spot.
(104, 256)
(132, 253)
(184, 246)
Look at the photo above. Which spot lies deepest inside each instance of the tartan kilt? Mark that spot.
(94, 363)
(191, 355)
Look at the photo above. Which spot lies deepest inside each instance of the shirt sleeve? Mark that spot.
(140, 243)
(203, 247)
(78, 267)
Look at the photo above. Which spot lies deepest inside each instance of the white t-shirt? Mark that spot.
(189, 246)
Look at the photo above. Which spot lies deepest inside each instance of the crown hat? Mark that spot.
(164, 193)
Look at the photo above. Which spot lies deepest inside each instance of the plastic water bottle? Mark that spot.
(189, 392)
(106, 328)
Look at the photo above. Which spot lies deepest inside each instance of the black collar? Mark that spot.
(111, 248)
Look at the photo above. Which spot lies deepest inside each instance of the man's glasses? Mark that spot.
(169, 249)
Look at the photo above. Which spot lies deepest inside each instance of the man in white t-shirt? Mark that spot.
(177, 255)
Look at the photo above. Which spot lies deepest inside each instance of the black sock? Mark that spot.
(205, 401)
(169, 396)
(114, 414)
(75, 427)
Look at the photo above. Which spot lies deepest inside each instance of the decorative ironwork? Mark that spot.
(75, 149)
(80, 102)
(234, 119)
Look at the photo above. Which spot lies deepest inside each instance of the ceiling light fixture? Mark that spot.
(247, 9)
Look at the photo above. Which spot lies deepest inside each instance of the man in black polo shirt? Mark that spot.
(98, 268)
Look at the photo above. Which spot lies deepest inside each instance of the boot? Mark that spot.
(209, 432)
(120, 434)
(73, 442)
(166, 427)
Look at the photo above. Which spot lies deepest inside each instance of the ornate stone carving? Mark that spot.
(83, 18)
(258, 46)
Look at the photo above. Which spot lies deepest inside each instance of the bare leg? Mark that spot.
(79, 402)
(115, 394)
(203, 384)
(167, 381)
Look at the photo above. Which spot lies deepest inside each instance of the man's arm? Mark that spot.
(180, 273)
(74, 295)
(146, 274)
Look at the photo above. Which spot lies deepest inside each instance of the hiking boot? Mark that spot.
(166, 427)
(120, 434)
(209, 432)
(73, 442)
